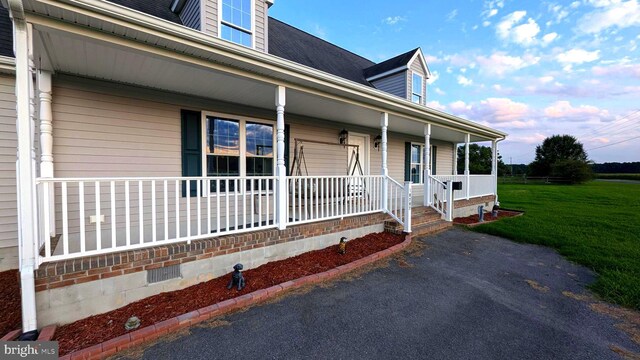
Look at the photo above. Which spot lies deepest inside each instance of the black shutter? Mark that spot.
(191, 148)
(434, 156)
(407, 161)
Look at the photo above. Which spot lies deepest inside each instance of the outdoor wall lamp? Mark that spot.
(377, 141)
(344, 137)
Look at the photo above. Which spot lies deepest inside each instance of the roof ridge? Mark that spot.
(321, 39)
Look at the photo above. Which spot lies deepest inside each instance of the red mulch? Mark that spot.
(96, 329)
(10, 309)
(474, 219)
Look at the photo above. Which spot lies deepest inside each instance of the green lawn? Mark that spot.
(596, 224)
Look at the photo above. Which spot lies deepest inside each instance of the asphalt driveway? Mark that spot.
(463, 295)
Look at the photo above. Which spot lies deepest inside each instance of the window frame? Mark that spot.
(251, 32)
(242, 121)
(422, 158)
(420, 95)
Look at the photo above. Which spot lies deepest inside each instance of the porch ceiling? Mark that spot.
(66, 52)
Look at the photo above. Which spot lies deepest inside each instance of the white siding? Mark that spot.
(260, 25)
(394, 84)
(209, 17)
(190, 14)
(8, 200)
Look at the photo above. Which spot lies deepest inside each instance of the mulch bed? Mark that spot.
(96, 329)
(475, 219)
(10, 309)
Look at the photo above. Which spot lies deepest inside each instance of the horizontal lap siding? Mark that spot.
(209, 20)
(8, 145)
(394, 84)
(261, 25)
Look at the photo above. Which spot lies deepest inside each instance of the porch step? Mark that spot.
(430, 228)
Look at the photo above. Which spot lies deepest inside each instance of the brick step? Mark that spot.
(430, 228)
(425, 218)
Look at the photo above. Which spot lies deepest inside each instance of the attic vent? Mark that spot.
(163, 273)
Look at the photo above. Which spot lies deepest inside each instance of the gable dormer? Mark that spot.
(243, 22)
(404, 75)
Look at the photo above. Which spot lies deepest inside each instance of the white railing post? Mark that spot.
(281, 171)
(384, 123)
(449, 196)
(455, 159)
(494, 168)
(426, 198)
(467, 139)
(407, 206)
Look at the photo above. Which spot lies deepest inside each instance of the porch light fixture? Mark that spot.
(377, 141)
(344, 137)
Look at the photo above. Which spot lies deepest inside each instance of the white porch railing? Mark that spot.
(438, 195)
(479, 185)
(102, 215)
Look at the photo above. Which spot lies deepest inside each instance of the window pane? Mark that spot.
(223, 165)
(223, 137)
(259, 166)
(416, 99)
(415, 173)
(415, 154)
(417, 84)
(259, 140)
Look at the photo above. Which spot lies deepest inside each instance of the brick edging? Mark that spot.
(146, 334)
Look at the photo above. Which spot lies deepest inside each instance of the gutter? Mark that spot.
(129, 16)
(25, 165)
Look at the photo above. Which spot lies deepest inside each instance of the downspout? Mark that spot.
(495, 184)
(25, 169)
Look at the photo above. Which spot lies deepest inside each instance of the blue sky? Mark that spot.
(529, 68)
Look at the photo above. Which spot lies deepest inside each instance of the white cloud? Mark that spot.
(500, 63)
(436, 105)
(492, 12)
(434, 77)
(615, 13)
(578, 56)
(546, 79)
(464, 81)
(501, 112)
(431, 59)
(392, 20)
(486, 23)
(558, 12)
(622, 70)
(548, 38)
(439, 91)
(567, 112)
(523, 34)
(452, 14)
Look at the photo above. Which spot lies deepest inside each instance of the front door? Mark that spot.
(362, 154)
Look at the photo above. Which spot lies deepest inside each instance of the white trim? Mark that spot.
(422, 81)
(242, 121)
(388, 73)
(251, 32)
(423, 62)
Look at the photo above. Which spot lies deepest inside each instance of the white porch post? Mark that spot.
(427, 168)
(46, 141)
(25, 173)
(467, 139)
(384, 123)
(494, 167)
(281, 170)
(455, 159)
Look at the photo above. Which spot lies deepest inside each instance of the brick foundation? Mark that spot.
(77, 271)
(462, 208)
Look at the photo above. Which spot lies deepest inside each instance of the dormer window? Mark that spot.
(236, 23)
(416, 89)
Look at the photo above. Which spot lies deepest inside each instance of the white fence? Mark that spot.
(478, 185)
(101, 215)
(438, 198)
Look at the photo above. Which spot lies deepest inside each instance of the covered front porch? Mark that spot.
(132, 151)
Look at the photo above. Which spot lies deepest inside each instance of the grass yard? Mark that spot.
(595, 224)
(618, 176)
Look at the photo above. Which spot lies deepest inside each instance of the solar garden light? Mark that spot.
(481, 213)
(494, 210)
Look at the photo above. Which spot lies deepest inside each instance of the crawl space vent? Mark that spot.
(163, 273)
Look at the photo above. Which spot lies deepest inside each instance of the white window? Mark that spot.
(236, 22)
(417, 162)
(238, 146)
(416, 89)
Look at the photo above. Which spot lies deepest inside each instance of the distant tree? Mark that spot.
(480, 161)
(617, 168)
(554, 149)
(573, 170)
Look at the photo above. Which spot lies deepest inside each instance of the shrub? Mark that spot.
(575, 171)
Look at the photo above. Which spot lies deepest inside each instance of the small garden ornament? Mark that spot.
(236, 278)
(132, 323)
(342, 247)
(494, 210)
